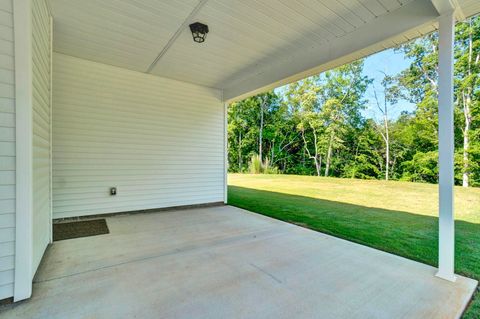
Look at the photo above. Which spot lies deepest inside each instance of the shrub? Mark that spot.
(255, 166)
(268, 168)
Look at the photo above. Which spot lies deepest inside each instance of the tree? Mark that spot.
(263, 104)
(420, 84)
(391, 93)
(283, 136)
(247, 121)
(302, 96)
(365, 152)
(342, 97)
(467, 83)
(419, 131)
(316, 126)
(237, 124)
(324, 109)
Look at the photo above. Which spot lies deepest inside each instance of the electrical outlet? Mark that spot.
(113, 191)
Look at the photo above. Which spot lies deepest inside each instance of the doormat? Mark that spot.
(77, 229)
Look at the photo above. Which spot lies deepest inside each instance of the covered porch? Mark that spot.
(110, 107)
(225, 262)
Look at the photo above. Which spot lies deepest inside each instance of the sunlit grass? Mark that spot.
(415, 198)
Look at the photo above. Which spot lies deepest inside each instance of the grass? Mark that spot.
(397, 217)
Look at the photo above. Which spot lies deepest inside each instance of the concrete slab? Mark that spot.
(224, 262)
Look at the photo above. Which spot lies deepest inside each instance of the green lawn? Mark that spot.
(398, 217)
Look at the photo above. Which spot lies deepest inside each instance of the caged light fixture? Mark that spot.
(199, 31)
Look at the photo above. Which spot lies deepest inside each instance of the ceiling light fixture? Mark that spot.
(199, 31)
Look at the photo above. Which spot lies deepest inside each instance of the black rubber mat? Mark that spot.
(77, 229)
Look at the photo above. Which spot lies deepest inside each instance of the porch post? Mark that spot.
(446, 236)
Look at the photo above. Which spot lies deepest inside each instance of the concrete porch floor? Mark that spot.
(224, 262)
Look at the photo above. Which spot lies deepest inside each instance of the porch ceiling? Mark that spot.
(252, 45)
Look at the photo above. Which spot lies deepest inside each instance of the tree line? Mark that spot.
(317, 126)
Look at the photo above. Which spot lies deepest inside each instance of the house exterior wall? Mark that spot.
(40, 106)
(7, 150)
(159, 141)
(41, 68)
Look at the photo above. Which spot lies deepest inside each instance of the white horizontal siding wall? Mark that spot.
(7, 150)
(41, 60)
(159, 141)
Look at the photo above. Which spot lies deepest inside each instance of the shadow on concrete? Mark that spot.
(402, 233)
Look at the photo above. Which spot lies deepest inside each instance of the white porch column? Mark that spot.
(23, 275)
(446, 147)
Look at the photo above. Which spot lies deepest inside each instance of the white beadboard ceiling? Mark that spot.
(253, 45)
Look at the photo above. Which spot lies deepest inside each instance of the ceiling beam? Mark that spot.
(334, 53)
(443, 6)
(447, 6)
(186, 22)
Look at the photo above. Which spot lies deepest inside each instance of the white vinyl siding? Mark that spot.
(7, 150)
(41, 58)
(159, 141)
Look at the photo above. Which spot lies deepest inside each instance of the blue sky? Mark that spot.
(390, 63)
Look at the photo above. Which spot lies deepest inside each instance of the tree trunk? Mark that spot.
(273, 152)
(317, 166)
(240, 151)
(392, 167)
(261, 133)
(316, 156)
(387, 146)
(467, 100)
(329, 154)
(466, 140)
(385, 135)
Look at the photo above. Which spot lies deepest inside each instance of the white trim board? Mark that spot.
(51, 126)
(23, 123)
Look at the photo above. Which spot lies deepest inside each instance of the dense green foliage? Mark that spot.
(316, 126)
